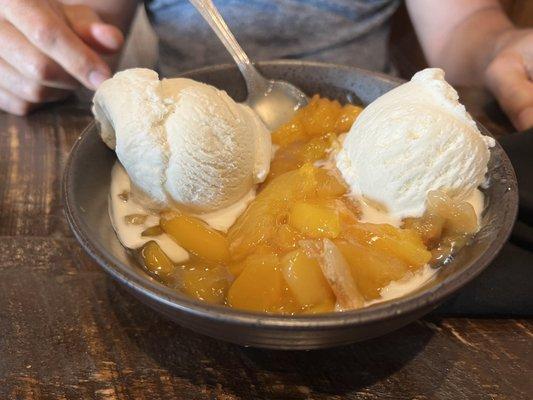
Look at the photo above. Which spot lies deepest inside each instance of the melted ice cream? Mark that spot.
(130, 235)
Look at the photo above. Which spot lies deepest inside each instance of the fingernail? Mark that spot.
(108, 36)
(96, 78)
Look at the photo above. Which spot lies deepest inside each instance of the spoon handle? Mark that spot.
(212, 16)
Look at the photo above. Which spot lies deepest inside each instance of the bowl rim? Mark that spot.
(159, 293)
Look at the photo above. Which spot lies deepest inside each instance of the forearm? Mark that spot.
(460, 37)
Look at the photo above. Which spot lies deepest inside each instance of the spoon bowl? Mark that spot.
(274, 101)
(277, 103)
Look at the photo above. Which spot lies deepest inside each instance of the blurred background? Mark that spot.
(405, 51)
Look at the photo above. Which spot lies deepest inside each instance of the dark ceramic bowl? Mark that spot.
(86, 187)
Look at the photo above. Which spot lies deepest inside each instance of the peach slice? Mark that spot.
(259, 287)
(315, 220)
(286, 238)
(262, 255)
(203, 283)
(305, 280)
(157, 262)
(320, 116)
(429, 227)
(404, 244)
(288, 133)
(371, 269)
(346, 118)
(296, 154)
(196, 237)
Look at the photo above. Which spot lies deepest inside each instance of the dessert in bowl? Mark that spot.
(302, 238)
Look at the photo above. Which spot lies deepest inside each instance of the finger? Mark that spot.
(92, 30)
(509, 81)
(17, 51)
(48, 32)
(12, 81)
(13, 104)
(528, 60)
(525, 119)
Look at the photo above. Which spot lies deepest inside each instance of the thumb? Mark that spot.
(102, 37)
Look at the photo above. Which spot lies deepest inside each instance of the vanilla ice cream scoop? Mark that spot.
(182, 142)
(414, 139)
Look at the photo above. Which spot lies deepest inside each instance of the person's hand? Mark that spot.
(510, 76)
(47, 49)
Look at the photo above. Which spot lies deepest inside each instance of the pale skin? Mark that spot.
(476, 44)
(51, 47)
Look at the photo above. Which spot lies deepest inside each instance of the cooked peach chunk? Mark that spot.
(157, 262)
(259, 287)
(370, 268)
(296, 154)
(446, 226)
(315, 220)
(447, 246)
(196, 237)
(404, 244)
(429, 227)
(286, 159)
(349, 212)
(347, 117)
(305, 280)
(262, 255)
(286, 238)
(318, 147)
(289, 304)
(320, 116)
(289, 132)
(235, 268)
(152, 231)
(460, 217)
(204, 283)
(329, 186)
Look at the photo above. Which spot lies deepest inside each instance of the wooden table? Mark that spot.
(67, 331)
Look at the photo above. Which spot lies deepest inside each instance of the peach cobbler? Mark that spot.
(300, 246)
(339, 208)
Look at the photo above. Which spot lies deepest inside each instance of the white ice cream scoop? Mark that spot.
(414, 139)
(182, 143)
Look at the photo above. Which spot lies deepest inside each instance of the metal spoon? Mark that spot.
(274, 101)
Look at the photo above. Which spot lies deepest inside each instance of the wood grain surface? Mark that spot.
(67, 331)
